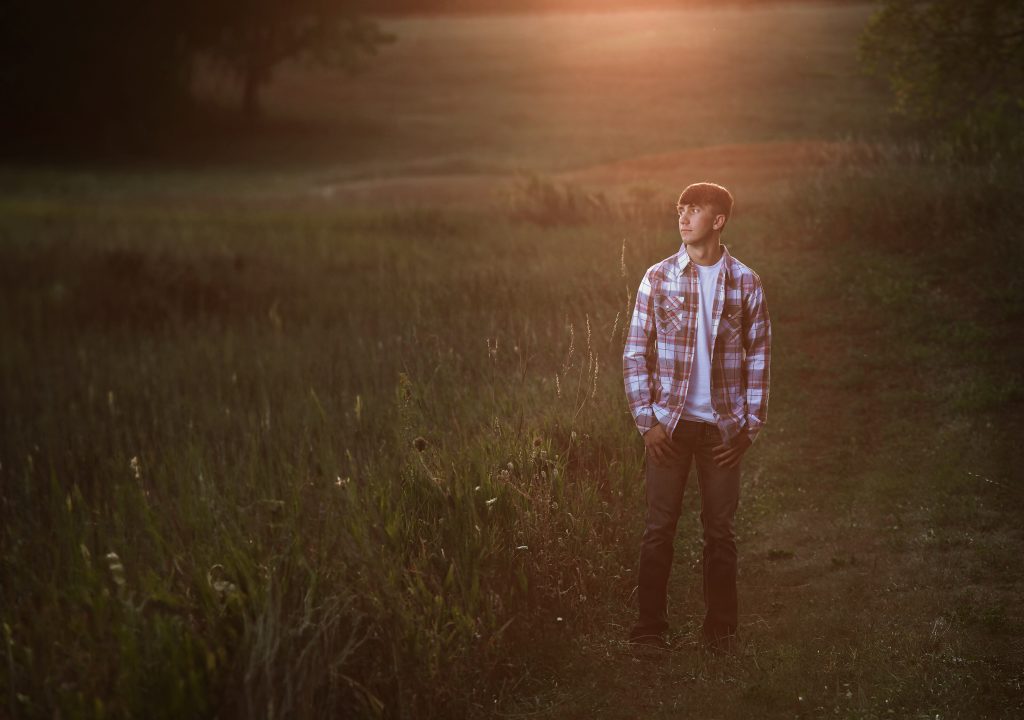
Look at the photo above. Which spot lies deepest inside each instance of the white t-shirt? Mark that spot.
(697, 405)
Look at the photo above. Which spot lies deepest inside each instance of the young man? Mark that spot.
(696, 368)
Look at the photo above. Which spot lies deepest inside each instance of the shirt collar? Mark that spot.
(684, 259)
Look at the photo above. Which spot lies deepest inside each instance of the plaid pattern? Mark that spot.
(662, 340)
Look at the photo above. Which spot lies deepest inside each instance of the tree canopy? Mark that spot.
(252, 37)
(956, 70)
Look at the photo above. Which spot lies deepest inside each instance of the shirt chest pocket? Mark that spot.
(731, 323)
(671, 313)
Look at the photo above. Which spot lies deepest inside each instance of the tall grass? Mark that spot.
(213, 501)
(264, 464)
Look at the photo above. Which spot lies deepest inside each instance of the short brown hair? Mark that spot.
(707, 193)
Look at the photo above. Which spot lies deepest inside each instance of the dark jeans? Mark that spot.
(719, 497)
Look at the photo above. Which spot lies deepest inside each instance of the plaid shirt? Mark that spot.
(662, 342)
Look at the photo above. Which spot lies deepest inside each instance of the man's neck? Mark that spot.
(703, 254)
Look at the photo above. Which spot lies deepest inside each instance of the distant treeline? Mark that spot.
(116, 74)
(387, 7)
(109, 75)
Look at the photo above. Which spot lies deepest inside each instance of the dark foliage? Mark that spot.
(73, 72)
(114, 75)
(956, 70)
(252, 37)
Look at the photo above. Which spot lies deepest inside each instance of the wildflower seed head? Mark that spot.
(116, 568)
(224, 589)
(420, 443)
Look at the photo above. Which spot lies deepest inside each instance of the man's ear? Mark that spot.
(718, 223)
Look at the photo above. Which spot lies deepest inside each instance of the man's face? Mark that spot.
(697, 223)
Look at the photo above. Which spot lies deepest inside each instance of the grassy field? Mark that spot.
(485, 97)
(334, 425)
(558, 92)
